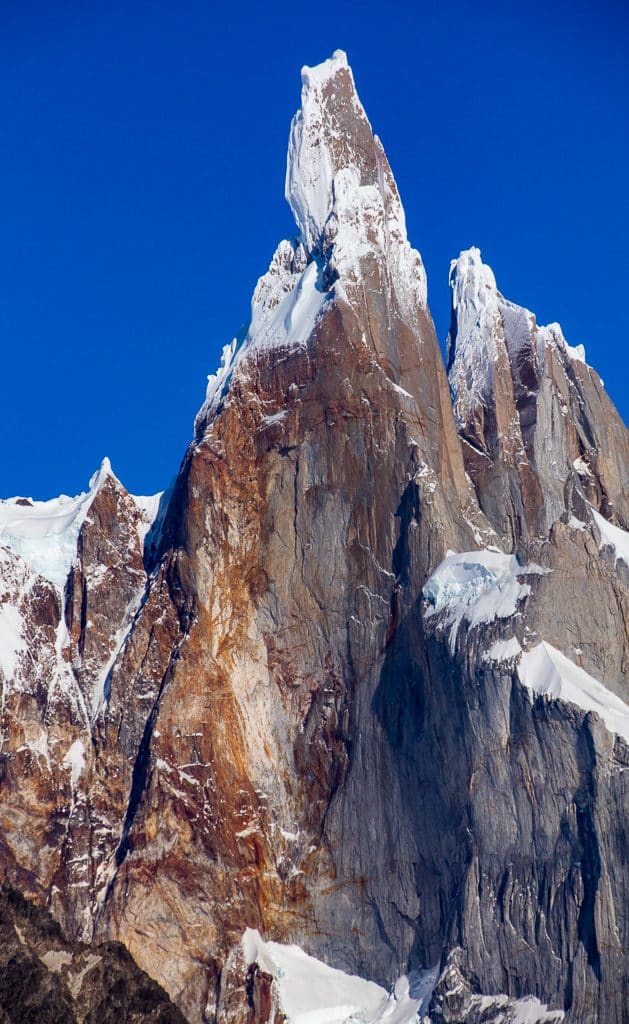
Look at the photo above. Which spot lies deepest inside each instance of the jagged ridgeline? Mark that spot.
(336, 728)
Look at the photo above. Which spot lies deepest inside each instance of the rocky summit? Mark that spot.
(335, 728)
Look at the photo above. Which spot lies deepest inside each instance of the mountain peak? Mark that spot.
(351, 223)
(329, 133)
(341, 189)
(320, 73)
(473, 282)
(481, 316)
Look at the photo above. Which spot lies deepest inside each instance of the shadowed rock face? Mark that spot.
(540, 435)
(271, 721)
(46, 979)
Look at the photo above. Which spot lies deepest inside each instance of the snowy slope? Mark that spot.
(545, 671)
(310, 992)
(45, 533)
(612, 537)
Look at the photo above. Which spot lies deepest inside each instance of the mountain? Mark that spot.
(350, 696)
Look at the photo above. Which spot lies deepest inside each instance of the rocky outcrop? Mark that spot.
(47, 980)
(344, 691)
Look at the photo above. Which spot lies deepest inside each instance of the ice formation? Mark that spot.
(478, 586)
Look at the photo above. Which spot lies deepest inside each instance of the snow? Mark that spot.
(503, 650)
(293, 319)
(45, 533)
(528, 1010)
(575, 351)
(321, 73)
(310, 992)
(75, 982)
(99, 693)
(581, 467)
(478, 586)
(531, 1011)
(287, 302)
(612, 537)
(12, 643)
(148, 507)
(39, 747)
(473, 349)
(576, 524)
(310, 168)
(218, 382)
(365, 222)
(75, 760)
(56, 959)
(339, 185)
(545, 671)
(485, 322)
(553, 335)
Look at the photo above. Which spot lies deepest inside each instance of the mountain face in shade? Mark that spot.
(540, 436)
(357, 682)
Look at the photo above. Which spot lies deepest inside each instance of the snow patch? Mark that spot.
(528, 1010)
(503, 650)
(12, 643)
(56, 959)
(148, 507)
(545, 671)
(612, 537)
(75, 760)
(310, 992)
(576, 524)
(286, 304)
(581, 467)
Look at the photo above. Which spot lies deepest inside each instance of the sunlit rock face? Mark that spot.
(357, 680)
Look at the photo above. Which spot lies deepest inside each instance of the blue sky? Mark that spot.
(142, 158)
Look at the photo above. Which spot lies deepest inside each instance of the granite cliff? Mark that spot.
(357, 681)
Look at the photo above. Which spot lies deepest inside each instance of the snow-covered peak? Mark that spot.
(329, 132)
(472, 282)
(285, 307)
(476, 327)
(552, 335)
(351, 223)
(321, 73)
(340, 187)
(45, 533)
(484, 323)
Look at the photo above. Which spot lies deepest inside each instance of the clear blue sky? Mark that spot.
(142, 157)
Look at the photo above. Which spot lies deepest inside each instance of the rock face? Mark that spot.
(289, 706)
